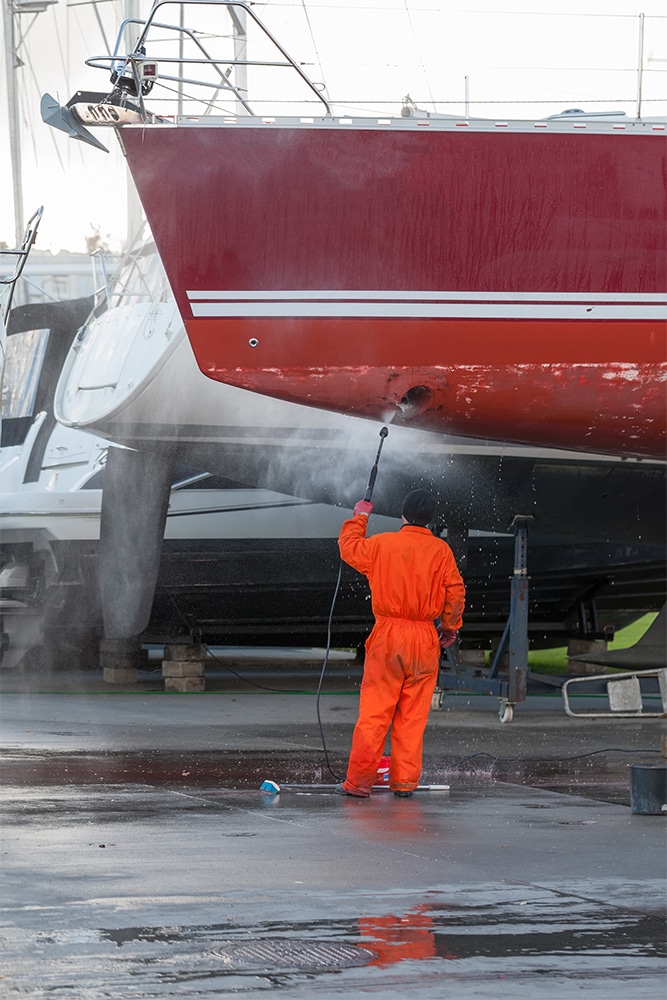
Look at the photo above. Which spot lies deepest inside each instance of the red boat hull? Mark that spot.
(503, 283)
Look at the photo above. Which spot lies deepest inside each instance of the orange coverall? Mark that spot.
(414, 579)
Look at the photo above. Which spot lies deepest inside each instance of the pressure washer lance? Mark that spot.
(374, 471)
(367, 496)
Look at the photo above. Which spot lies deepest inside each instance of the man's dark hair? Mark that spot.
(419, 508)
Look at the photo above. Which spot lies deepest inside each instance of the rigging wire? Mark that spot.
(317, 51)
(421, 58)
(430, 10)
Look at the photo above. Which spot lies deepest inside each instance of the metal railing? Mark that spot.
(625, 693)
(163, 47)
(21, 253)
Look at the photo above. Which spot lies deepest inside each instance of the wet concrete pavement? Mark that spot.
(140, 857)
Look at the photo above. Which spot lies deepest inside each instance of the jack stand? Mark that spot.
(516, 630)
(512, 691)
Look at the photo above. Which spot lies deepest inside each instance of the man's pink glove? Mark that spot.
(363, 507)
(447, 636)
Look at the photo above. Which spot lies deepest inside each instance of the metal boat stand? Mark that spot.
(511, 690)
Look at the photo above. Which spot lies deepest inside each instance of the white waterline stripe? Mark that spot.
(334, 295)
(414, 310)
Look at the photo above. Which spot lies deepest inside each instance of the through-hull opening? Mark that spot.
(415, 401)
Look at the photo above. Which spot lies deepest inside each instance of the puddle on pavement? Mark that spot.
(584, 937)
(428, 931)
(604, 779)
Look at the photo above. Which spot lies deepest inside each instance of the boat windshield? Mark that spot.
(23, 366)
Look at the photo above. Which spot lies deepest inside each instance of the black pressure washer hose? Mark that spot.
(367, 496)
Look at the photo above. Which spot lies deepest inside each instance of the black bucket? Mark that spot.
(648, 789)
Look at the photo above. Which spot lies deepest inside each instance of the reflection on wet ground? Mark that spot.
(529, 939)
(140, 857)
(303, 895)
(603, 777)
(435, 930)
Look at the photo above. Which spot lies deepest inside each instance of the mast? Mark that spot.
(134, 210)
(640, 66)
(11, 65)
(11, 12)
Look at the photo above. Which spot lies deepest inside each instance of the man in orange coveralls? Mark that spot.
(414, 580)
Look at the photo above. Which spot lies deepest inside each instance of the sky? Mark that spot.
(368, 54)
